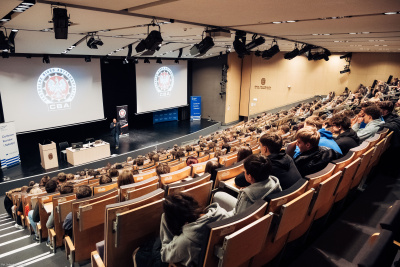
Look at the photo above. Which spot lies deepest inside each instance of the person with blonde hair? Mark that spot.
(312, 157)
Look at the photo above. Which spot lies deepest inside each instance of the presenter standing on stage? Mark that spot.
(115, 131)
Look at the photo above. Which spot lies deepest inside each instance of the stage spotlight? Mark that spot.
(125, 61)
(306, 48)
(4, 41)
(88, 59)
(348, 55)
(93, 42)
(60, 23)
(268, 54)
(255, 42)
(136, 61)
(176, 61)
(292, 54)
(146, 60)
(11, 40)
(201, 48)
(240, 45)
(159, 61)
(258, 53)
(46, 59)
(152, 42)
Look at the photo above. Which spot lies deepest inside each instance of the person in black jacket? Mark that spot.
(312, 158)
(283, 166)
(392, 122)
(347, 138)
(115, 131)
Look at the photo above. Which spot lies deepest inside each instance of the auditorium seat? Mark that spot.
(359, 150)
(104, 188)
(199, 168)
(175, 176)
(56, 235)
(127, 225)
(178, 187)
(87, 225)
(43, 200)
(217, 231)
(141, 191)
(135, 186)
(315, 178)
(144, 175)
(201, 193)
(343, 162)
(228, 172)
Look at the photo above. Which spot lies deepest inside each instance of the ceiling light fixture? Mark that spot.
(201, 48)
(146, 60)
(94, 41)
(268, 54)
(292, 54)
(153, 40)
(390, 13)
(159, 61)
(46, 59)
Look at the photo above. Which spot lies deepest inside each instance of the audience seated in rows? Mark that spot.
(372, 119)
(346, 137)
(126, 177)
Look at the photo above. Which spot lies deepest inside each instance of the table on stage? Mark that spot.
(88, 153)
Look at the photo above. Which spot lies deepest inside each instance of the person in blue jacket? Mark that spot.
(326, 137)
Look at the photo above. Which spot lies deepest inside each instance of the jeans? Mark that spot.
(116, 139)
(30, 214)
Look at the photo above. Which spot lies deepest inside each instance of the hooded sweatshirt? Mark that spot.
(370, 129)
(283, 168)
(326, 140)
(259, 190)
(347, 140)
(186, 248)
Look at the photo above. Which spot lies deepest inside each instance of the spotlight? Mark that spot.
(88, 59)
(93, 42)
(136, 61)
(11, 40)
(125, 61)
(146, 60)
(105, 60)
(268, 54)
(255, 42)
(240, 45)
(306, 48)
(292, 54)
(60, 23)
(46, 59)
(159, 61)
(348, 55)
(4, 41)
(176, 61)
(152, 42)
(201, 48)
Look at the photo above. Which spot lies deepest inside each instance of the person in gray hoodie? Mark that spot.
(373, 121)
(183, 228)
(257, 170)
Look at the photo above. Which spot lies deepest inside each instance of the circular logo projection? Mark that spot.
(57, 88)
(122, 113)
(164, 81)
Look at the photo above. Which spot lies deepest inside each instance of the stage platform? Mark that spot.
(140, 141)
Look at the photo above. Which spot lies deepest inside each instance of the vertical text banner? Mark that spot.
(122, 118)
(9, 153)
(195, 107)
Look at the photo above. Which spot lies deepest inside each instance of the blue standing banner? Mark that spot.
(165, 115)
(195, 108)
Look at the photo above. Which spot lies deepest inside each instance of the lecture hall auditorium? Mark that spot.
(258, 133)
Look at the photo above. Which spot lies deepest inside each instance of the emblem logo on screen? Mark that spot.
(164, 81)
(122, 113)
(57, 88)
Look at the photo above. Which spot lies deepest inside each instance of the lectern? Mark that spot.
(48, 155)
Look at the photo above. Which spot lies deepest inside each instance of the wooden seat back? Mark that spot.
(94, 181)
(92, 215)
(228, 172)
(276, 200)
(373, 140)
(344, 185)
(359, 150)
(178, 187)
(229, 161)
(227, 156)
(377, 154)
(42, 200)
(85, 241)
(256, 150)
(104, 188)
(203, 159)
(175, 176)
(387, 142)
(323, 198)
(365, 159)
(290, 148)
(343, 162)
(177, 166)
(382, 133)
(200, 167)
(315, 178)
(201, 193)
(58, 223)
(138, 192)
(144, 175)
(121, 254)
(135, 186)
(217, 231)
(240, 246)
